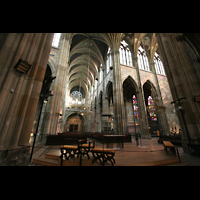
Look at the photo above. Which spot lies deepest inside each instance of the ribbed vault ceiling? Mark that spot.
(88, 53)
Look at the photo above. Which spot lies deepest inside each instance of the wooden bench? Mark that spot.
(169, 145)
(104, 154)
(81, 148)
(86, 148)
(69, 149)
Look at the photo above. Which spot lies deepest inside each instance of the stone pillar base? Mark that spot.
(15, 157)
(184, 145)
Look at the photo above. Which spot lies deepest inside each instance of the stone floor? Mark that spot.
(149, 151)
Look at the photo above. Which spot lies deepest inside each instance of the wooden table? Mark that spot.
(119, 139)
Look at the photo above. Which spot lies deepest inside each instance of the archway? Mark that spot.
(150, 95)
(131, 106)
(110, 96)
(43, 116)
(110, 123)
(74, 123)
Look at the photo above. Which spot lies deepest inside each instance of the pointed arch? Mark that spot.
(108, 87)
(131, 80)
(130, 87)
(149, 90)
(72, 115)
(100, 96)
(52, 67)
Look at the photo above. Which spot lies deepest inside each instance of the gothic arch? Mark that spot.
(71, 115)
(152, 116)
(151, 87)
(130, 90)
(132, 81)
(100, 96)
(108, 87)
(52, 67)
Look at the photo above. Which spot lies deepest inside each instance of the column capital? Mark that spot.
(66, 36)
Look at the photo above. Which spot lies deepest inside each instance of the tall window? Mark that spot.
(109, 61)
(151, 109)
(158, 64)
(142, 59)
(125, 54)
(135, 110)
(101, 75)
(56, 39)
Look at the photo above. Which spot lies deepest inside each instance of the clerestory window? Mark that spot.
(125, 54)
(158, 64)
(142, 59)
(56, 39)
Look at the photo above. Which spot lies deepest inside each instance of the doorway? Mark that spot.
(73, 128)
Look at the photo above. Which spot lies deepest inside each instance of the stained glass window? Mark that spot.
(151, 108)
(76, 95)
(135, 109)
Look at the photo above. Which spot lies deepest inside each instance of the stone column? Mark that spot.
(104, 100)
(144, 125)
(20, 92)
(55, 102)
(183, 81)
(30, 114)
(93, 116)
(118, 102)
(98, 116)
(126, 118)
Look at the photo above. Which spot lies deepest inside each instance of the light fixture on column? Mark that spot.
(22, 66)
